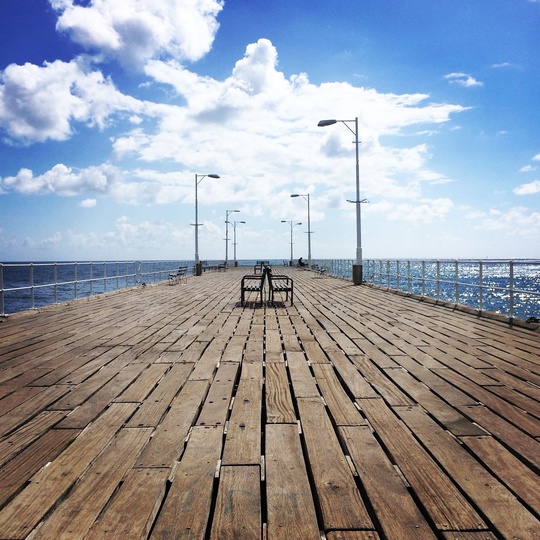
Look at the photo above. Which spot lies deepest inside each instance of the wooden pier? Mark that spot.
(172, 412)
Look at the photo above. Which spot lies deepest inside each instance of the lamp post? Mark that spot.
(357, 268)
(235, 223)
(293, 225)
(227, 214)
(198, 178)
(306, 198)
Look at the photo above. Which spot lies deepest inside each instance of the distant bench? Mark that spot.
(214, 267)
(320, 269)
(259, 266)
(178, 276)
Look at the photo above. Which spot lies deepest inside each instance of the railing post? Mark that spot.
(75, 280)
(104, 276)
(481, 279)
(409, 276)
(438, 272)
(397, 274)
(91, 278)
(423, 278)
(456, 286)
(55, 275)
(32, 286)
(117, 275)
(511, 284)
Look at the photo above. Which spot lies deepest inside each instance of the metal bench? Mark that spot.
(280, 284)
(252, 284)
(178, 276)
(321, 270)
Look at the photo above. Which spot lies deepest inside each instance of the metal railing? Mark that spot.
(31, 285)
(510, 287)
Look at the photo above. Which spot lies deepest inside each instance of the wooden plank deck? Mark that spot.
(169, 412)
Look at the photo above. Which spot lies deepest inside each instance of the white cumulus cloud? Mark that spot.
(134, 31)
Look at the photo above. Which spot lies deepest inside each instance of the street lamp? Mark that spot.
(227, 214)
(292, 224)
(235, 223)
(357, 268)
(306, 198)
(198, 178)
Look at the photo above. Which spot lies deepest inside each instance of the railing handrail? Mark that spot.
(130, 272)
(388, 271)
(396, 274)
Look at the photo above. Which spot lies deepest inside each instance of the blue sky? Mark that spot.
(109, 108)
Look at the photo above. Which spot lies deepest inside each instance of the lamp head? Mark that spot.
(284, 221)
(295, 195)
(241, 222)
(213, 176)
(324, 123)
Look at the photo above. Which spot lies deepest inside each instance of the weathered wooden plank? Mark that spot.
(496, 502)
(95, 487)
(153, 408)
(205, 368)
(238, 505)
(519, 478)
(129, 515)
(216, 406)
(463, 535)
(167, 442)
(447, 507)
(352, 535)
(340, 501)
(341, 408)
(15, 474)
(234, 349)
(438, 385)
(526, 446)
(314, 353)
(453, 420)
(20, 414)
(145, 383)
(380, 381)
(186, 509)
(33, 429)
(279, 405)
(290, 506)
(22, 514)
(243, 439)
(84, 414)
(356, 384)
(517, 416)
(396, 511)
(303, 382)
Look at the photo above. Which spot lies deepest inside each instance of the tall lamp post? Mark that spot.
(306, 198)
(293, 225)
(235, 223)
(198, 178)
(227, 214)
(357, 268)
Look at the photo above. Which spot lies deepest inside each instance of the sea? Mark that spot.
(510, 288)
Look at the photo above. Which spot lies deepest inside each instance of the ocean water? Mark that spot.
(508, 287)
